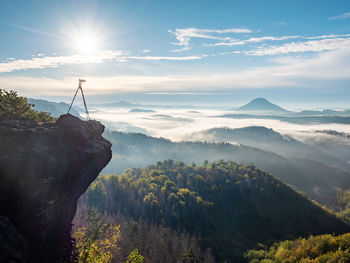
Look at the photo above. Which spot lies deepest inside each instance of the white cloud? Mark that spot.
(340, 17)
(254, 40)
(320, 69)
(186, 48)
(230, 52)
(56, 61)
(166, 58)
(238, 42)
(40, 61)
(328, 36)
(184, 35)
(307, 46)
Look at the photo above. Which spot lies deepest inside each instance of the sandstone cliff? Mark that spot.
(44, 169)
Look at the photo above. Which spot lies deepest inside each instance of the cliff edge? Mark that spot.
(44, 169)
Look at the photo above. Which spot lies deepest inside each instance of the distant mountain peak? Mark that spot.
(260, 100)
(261, 104)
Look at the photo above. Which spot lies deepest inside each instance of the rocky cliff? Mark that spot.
(44, 169)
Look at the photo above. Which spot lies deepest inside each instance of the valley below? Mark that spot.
(196, 184)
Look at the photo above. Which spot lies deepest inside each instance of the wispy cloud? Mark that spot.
(239, 42)
(298, 47)
(41, 61)
(167, 58)
(319, 70)
(256, 45)
(251, 46)
(33, 30)
(256, 40)
(340, 17)
(184, 35)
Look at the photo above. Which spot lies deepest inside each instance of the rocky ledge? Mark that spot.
(44, 169)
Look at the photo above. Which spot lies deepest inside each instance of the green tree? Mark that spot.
(14, 107)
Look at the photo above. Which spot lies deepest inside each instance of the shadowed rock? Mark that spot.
(44, 169)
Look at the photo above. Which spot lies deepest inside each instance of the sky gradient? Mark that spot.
(295, 53)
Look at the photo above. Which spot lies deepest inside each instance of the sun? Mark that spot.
(84, 38)
(85, 42)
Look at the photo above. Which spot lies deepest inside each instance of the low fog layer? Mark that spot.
(312, 157)
(180, 124)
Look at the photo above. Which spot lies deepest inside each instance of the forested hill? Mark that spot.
(231, 207)
(270, 140)
(317, 179)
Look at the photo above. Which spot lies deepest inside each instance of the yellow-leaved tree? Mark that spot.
(97, 243)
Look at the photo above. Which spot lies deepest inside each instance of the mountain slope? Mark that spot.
(270, 140)
(261, 104)
(318, 180)
(56, 109)
(232, 207)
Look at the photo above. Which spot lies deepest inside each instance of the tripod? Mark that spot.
(82, 93)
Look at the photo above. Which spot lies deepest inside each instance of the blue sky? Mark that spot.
(219, 52)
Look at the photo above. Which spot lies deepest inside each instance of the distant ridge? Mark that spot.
(140, 110)
(262, 104)
(54, 108)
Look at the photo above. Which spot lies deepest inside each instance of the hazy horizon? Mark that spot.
(221, 100)
(226, 53)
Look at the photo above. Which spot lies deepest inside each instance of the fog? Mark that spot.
(316, 162)
(180, 124)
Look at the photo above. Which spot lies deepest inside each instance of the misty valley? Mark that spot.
(201, 172)
(209, 184)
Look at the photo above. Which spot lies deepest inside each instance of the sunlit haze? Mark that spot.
(212, 53)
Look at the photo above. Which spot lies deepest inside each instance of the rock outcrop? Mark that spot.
(44, 169)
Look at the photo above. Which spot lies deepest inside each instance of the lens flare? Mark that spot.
(85, 43)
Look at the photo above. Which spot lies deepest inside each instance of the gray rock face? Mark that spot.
(44, 169)
(13, 246)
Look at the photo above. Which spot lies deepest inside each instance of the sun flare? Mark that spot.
(85, 42)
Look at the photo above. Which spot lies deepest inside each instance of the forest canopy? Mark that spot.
(322, 248)
(230, 206)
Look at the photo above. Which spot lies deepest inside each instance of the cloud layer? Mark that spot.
(238, 41)
(184, 35)
(292, 60)
(41, 61)
(286, 72)
(301, 47)
(258, 45)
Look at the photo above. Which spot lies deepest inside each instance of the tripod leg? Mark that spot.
(73, 100)
(86, 110)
